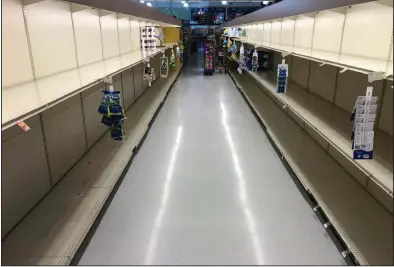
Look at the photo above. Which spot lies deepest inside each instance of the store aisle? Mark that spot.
(208, 188)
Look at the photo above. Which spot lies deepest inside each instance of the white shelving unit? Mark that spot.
(353, 33)
(52, 233)
(361, 221)
(53, 50)
(57, 58)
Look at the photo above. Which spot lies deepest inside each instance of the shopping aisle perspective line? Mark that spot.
(207, 188)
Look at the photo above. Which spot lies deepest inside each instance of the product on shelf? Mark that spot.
(363, 117)
(172, 60)
(149, 74)
(255, 61)
(283, 73)
(242, 60)
(164, 66)
(113, 113)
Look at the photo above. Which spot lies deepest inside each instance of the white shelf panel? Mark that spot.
(109, 33)
(54, 230)
(16, 65)
(367, 36)
(87, 36)
(328, 23)
(124, 35)
(33, 97)
(304, 29)
(267, 33)
(51, 36)
(135, 35)
(287, 35)
(276, 29)
(355, 37)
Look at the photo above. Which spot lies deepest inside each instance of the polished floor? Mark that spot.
(207, 188)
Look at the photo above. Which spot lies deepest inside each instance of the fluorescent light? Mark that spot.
(142, 1)
(148, 4)
(265, 2)
(224, 2)
(185, 4)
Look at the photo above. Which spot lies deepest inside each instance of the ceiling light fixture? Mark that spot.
(185, 4)
(265, 2)
(149, 4)
(142, 1)
(224, 2)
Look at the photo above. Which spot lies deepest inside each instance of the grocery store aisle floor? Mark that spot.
(207, 187)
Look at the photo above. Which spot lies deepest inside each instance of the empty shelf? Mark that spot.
(52, 233)
(23, 101)
(331, 127)
(363, 224)
(346, 62)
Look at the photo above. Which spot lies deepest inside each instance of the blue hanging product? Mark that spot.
(107, 121)
(282, 78)
(113, 114)
(117, 132)
(234, 48)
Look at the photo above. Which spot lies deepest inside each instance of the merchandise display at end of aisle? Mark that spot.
(255, 61)
(149, 74)
(363, 117)
(164, 66)
(148, 39)
(172, 60)
(113, 113)
(209, 57)
(283, 74)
